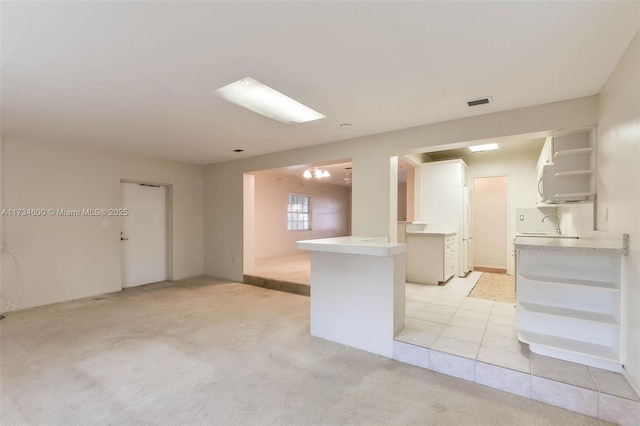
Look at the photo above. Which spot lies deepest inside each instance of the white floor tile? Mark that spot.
(502, 320)
(563, 395)
(439, 309)
(507, 359)
(452, 301)
(502, 330)
(432, 317)
(477, 305)
(416, 337)
(478, 326)
(563, 371)
(456, 347)
(612, 383)
(423, 326)
(411, 354)
(503, 379)
(506, 343)
(451, 365)
(504, 309)
(463, 334)
(622, 411)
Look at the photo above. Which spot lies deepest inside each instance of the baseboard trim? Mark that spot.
(490, 270)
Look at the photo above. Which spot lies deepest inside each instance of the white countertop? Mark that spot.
(427, 233)
(370, 246)
(580, 245)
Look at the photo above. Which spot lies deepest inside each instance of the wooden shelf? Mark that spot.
(573, 173)
(573, 152)
(569, 313)
(604, 285)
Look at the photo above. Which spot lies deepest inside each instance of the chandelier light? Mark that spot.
(316, 173)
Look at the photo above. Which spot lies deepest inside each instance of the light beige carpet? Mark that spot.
(498, 287)
(208, 352)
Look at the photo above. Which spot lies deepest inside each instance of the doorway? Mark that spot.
(144, 236)
(285, 205)
(490, 218)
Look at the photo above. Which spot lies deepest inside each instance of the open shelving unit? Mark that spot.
(574, 164)
(569, 306)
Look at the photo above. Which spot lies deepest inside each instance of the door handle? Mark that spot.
(123, 239)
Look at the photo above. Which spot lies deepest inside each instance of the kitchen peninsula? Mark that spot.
(357, 291)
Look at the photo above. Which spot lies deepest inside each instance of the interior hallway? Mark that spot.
(204, 351)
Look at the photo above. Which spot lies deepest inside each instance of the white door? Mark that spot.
(144, 234)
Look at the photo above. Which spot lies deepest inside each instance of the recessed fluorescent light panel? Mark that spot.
(485, 147)
(249, 93)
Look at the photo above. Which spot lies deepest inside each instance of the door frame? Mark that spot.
(168, 223)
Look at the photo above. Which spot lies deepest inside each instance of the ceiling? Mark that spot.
(338, 171)
(137, 77)
(513, 146)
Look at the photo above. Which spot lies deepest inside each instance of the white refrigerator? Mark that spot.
(444, 202)
(467, 231)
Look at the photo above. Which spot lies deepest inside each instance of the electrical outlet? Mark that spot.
(606, 214)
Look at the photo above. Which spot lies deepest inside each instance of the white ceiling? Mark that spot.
(137, 77)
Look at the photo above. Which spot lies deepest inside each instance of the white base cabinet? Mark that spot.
(568, 305)
(431, 257)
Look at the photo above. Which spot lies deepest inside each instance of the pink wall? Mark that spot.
(490, 196)
(330, 215)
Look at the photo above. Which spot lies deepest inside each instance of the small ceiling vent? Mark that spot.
(480, 101)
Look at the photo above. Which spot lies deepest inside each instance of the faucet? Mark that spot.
(558, 232)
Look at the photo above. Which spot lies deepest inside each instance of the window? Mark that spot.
(298, 212)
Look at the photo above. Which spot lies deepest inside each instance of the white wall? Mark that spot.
(329, 212)
(520, 167)
(490, 202)
(372, 178)
(618, 183)
(64, 258)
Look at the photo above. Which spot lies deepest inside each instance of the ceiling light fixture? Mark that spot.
(485, 147)
(316, 173)
(249, 93)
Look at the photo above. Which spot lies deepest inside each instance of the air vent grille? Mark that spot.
(480, 101)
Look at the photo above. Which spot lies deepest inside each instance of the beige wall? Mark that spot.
(520, 167)
(618, 184)
(329, 214)
(373, 182)
(490, 201)
(64, 258)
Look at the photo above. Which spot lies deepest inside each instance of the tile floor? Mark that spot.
(480, 336)
(445, 319)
